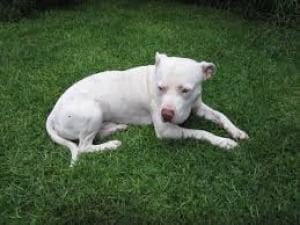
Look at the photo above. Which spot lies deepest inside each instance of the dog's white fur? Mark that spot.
(163, 94)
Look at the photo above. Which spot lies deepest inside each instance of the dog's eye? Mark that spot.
(185, 90)
(161, 88)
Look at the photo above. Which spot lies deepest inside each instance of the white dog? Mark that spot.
(163, 94)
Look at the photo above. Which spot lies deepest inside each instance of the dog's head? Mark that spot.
(178, 85)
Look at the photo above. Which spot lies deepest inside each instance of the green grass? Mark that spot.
(150, 181)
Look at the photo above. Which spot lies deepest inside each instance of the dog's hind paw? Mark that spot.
(122, 127)
(112, 145)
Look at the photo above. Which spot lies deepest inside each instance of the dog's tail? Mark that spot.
(59, 140)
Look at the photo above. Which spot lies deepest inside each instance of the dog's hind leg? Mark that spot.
(86, 144)
(86, 140)
(109, 128)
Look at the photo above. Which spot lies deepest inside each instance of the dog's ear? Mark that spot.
(159, 57)
(208, 69)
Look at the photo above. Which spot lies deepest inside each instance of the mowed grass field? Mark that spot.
(147, 180)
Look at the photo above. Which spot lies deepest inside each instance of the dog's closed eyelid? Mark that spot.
(162, 87)
(184, 89)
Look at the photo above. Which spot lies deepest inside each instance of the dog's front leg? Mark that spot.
(173, 131)
(208, 113)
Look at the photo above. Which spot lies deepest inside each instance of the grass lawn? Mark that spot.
(150, 181)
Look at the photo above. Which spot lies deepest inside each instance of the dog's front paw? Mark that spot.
(227, 143)
(239, 134)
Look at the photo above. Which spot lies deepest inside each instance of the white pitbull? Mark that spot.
(163, 94)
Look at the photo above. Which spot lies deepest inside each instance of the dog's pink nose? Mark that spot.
(167, 114)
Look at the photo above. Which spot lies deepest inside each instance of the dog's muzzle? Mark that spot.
(167, 114)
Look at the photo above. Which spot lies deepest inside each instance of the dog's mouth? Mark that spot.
(167, 120)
